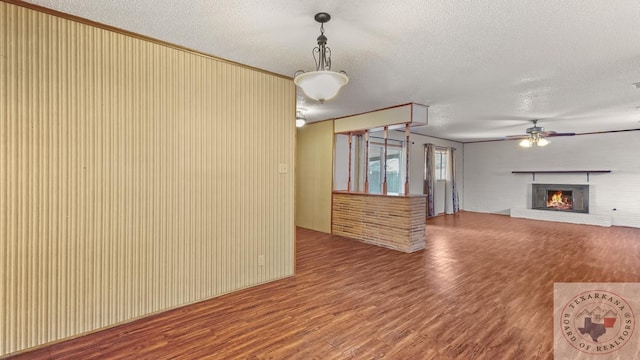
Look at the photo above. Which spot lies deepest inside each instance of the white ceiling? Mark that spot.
(485, 67)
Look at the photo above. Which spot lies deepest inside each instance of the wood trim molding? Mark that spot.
(384, 108)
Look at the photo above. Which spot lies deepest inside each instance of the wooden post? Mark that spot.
(406, 168)
(366, 161)
(349, 176)
(384, 163)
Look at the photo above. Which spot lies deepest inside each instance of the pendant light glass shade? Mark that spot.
(321, 85)
(526, 143)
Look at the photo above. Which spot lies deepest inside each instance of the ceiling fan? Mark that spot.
(536, 136)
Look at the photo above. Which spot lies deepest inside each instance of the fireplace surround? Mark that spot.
(560, 197)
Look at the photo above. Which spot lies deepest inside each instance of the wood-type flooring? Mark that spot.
(482, 289)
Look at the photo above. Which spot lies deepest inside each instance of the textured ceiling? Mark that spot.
(484, 67)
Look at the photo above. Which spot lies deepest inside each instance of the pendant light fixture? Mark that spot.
(322, 84)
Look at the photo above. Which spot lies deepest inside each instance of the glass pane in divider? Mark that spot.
(395, 167)
(355, 164)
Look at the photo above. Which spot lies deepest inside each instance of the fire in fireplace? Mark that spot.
(560, 197)
(561, 200)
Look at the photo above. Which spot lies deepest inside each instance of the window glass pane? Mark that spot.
(441, 164)
(375, 173)
(394, 167)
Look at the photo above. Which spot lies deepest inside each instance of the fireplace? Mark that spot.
(560, 197)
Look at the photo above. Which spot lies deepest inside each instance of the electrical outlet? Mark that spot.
(283, 168)
(260, 260)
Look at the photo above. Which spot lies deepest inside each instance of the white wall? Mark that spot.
(489, 185)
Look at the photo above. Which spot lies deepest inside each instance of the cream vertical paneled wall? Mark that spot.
(134, 177)
(314, 176)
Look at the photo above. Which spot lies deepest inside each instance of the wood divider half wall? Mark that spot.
(394, 222)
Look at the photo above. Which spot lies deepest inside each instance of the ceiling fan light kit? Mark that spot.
(542, 142)
(526, 143)
(537, 141)
(323, 83)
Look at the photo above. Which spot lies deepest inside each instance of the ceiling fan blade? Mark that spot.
(553, 133)
(520, 119)
(515, 137)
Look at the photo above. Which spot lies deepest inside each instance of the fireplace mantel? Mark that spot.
(534, 172)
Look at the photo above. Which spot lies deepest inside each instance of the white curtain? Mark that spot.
(451, 205)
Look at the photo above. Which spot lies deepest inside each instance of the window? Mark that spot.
(441, 163)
